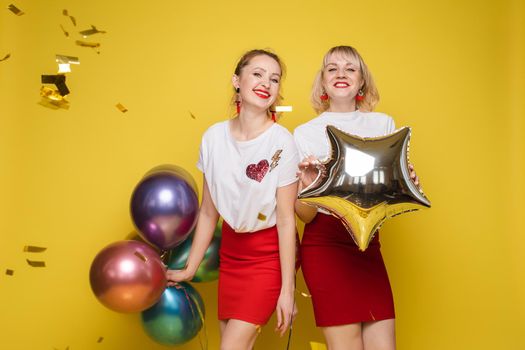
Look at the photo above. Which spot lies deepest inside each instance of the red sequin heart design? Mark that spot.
(257, 172)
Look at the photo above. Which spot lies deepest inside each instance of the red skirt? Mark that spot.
(347, 285)
(249, 275)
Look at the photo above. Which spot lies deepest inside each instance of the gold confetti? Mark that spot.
(100, 339)
(64, 63)
(9, 272)
(121, 107)
(5, 57)
(87, 44)
(35, 263)
(261, 217)
(34, 249)
(140, 256)
(191, 115)
(59, 80)
(93, 30)
(73, 20)
(15, 10)
(66, 33)
(51, 98)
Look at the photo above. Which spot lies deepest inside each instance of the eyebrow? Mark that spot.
(335, 64)
(266, 71)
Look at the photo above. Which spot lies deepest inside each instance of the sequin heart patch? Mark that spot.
(257, 171)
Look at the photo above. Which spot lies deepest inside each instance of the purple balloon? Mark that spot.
(164, 206)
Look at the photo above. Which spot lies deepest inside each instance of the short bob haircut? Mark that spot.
(245, 60)
(371, 95)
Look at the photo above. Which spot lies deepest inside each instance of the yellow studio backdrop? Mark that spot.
(452, 70)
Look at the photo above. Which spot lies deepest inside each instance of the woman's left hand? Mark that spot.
(286, 311)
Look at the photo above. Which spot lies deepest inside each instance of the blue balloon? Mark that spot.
(177, 317)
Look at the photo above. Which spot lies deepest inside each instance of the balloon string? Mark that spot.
(201, 317)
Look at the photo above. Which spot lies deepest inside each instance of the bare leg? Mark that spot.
(345, 337)
(379, 335)
(238, 335)
(222, 325)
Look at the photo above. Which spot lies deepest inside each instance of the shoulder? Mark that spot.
(378, 116)
(214, 131)
(309, 126)
(281, 132)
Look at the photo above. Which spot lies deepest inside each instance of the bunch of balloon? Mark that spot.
(130, 276)
(209, 268)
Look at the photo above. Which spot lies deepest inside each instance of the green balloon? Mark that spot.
(177, 317)
(209, 268)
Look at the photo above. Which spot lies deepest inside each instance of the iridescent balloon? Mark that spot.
(177, 317)
(365, 182)
(164, 206)
(127, 276)
(209, 268)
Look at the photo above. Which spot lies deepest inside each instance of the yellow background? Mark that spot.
(452, 70)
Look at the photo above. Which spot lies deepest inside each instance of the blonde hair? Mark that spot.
(371, 95)
(245, 60)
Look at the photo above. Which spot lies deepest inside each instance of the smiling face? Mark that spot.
(259, 82)
(341, 77)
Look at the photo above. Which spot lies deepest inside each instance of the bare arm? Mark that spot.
(307, 174)
(206, 222)
(286, 229)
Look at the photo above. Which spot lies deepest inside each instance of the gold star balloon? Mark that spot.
(365, 181)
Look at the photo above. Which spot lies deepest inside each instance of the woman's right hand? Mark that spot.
(175, 276)
(309, 169)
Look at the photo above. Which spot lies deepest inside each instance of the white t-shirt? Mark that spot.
(311, 138)
(243, 176)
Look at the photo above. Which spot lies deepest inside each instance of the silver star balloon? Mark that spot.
(365, 181)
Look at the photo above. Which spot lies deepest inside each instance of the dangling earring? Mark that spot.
(360, 95)
(238, 101)
(274, 118)
(324, 96)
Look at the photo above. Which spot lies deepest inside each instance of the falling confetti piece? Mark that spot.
(121, 107)
(67, 59)
(93, 30)
(261, 217)
(100, 339)
(87, 44)
(317, 346)
(15, 10)
(140, 256)
(66, 33)
(59, 80)
(191, 115)
(64, 63)
(35, 263)
(73, 20)
(303, 294)
(34, 249)
(9, 272)
(51, 98)
(5, 57)
(283, 108)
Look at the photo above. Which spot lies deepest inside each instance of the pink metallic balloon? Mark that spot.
(127, 276)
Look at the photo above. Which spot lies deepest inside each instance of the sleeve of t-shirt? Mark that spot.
(203, 154)
(300, 144)
(289, 162)
(391, 125)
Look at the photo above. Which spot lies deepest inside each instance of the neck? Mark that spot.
(342, 106)
(249, 124)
